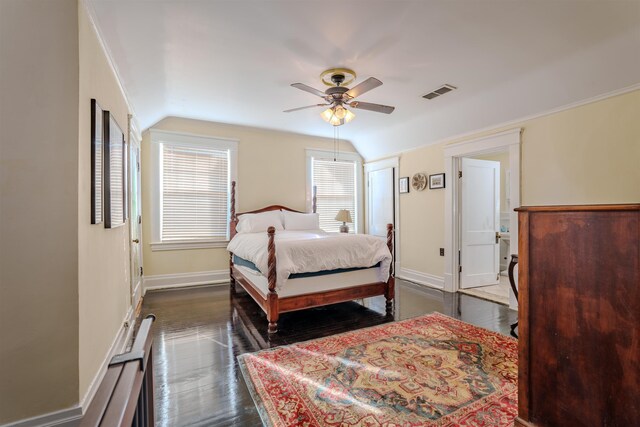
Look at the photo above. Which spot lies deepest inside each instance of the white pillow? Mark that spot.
(301, 221)
(259, 222)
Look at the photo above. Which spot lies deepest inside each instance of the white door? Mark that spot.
(381, 202)
(135, 221)
(479, 223)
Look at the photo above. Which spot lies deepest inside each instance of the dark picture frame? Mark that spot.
(403, 185)
(115, 173)
(436, 181)
(97, 149)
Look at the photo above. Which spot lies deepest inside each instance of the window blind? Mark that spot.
(117, 178)
(195, 182)
(335, 182)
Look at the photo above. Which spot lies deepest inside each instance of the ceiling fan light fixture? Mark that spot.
(348, 116)
(327, 115)
(336, 121)
(330, 116)
(340, 112)
(338, 97)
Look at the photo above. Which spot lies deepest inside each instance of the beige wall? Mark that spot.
(64, 284)
(590, 154)
(271, 170)
(422, 213)
(103, 254)
(586, 155)
(38, 207)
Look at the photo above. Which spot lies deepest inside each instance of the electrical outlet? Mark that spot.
(441, 251)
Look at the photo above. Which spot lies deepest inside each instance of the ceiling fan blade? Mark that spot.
(365, 86)
(378, 108)
(304, 108)
(309, 89)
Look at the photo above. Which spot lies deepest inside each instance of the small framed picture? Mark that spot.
(403, 184)
(115, 173)
(436, 181)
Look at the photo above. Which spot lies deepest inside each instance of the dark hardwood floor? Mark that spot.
(200, 331)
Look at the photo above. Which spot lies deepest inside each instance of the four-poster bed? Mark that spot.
(332, 287)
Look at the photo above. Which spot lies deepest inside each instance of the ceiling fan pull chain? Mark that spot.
(335, 131)
(338, 130)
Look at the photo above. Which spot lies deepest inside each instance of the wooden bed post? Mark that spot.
(314, 199)
(389, 293)
(232, 231)
(272, 296)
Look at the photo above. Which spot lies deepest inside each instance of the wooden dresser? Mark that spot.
(579, 346)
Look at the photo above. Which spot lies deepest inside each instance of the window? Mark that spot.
(192, 190)
(338, 186)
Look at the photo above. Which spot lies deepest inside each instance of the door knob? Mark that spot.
(136, 240)
(498, 236)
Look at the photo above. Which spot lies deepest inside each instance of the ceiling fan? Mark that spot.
(338, 96)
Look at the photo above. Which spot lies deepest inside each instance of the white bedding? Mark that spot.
(311, 251)
(313, 284)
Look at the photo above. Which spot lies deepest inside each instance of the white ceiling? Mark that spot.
(233, 61)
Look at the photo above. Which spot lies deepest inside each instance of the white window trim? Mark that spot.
(329, 155)
(177, 138)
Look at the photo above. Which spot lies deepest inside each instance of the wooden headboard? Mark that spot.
(234, 216)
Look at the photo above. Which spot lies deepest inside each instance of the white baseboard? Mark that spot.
(166, 281)
(118, 346)
(71, 417)
(137, 294)
(420, 278)
(65, 418)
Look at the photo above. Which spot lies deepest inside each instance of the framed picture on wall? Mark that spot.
(436, 181)
(96, 162)
(115, 173)
(403, 184)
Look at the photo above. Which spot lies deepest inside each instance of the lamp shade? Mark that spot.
(337, 116)
(348, 116)
(336, 121)
(344, 216)
(340, 112)
(327, 114)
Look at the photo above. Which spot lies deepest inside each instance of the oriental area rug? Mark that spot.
(427, 371)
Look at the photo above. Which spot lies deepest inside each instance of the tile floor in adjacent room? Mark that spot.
(497, 293)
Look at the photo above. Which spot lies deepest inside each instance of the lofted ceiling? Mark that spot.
(233, 61)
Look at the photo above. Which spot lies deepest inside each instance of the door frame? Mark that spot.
(508, 140)
(135, 142)
(392, 162)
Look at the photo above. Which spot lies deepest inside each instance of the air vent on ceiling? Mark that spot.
(440, 91)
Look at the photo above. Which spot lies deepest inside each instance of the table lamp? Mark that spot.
(345, 216)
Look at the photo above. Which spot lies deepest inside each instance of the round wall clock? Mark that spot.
(419, 181)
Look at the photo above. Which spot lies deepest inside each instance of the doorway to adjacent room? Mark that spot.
(382, 199)
(480, 221)
(484, 226)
